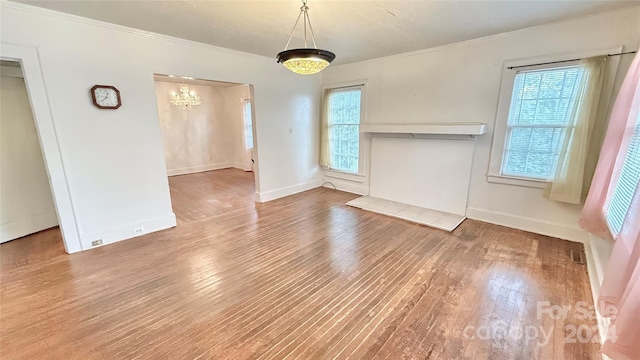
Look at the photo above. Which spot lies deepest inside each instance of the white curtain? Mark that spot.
(579, 152)
(325, 141)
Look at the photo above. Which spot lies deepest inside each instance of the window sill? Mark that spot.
(508, 180)
(336, 174)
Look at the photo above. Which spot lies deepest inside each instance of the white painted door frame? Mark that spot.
(30, 62)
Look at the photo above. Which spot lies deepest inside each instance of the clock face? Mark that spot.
(105, 97)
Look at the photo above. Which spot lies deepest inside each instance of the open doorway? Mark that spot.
(28, 217)
(208, 145)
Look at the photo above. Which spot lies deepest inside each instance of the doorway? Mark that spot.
(26, 205)
(208, 138)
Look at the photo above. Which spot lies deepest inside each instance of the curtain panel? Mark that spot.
(572, 170)
(325, 141)
(620, 291)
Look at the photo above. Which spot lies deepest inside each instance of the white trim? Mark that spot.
(528, 224)
(494, 171)
(336, 174)
(597, 252)
(238, 165)
(45, 126)
(346, 186)
(202, 168)
(432, 128)
(287, 190)
(352, 84)
(507, 180)
(126, 232)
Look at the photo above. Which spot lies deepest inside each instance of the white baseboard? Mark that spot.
(14, 230)
(598, 252)
(528, 224)
(200, 168)
(237, 165)
(126, 232)
(346, 185)
(287, 190)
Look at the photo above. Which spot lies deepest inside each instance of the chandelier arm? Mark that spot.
(306, 20)
(293, 30)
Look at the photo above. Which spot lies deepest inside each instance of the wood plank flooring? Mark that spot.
(303, 277)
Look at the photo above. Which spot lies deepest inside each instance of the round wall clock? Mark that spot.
(106, 97)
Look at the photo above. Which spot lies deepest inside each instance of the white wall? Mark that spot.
(460, 83)
(207, 137)
(113, 159)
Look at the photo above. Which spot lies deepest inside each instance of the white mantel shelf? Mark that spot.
(426, 128)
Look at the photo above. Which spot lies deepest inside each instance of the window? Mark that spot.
(248, 126)
(537, 110)
(542, 103)
(627, 184)
(343, 109)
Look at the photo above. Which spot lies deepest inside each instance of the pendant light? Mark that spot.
(305, 60)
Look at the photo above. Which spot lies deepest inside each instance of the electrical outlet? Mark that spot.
(96, 242)
(138, 231)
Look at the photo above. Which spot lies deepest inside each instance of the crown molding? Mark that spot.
(121, 28)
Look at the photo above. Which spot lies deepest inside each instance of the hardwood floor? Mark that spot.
(301, 277)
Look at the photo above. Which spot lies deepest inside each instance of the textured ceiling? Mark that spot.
(354, 30)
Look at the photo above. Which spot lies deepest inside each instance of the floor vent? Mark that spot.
(577, 257)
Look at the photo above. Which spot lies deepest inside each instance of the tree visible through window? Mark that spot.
(344, 128)
(542, 104)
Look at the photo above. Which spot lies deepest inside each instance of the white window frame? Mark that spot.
(358, 176)
(494, 173)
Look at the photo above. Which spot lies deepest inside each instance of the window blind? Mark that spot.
(627, 184)
(541, 109)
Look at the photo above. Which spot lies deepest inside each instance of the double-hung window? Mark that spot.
(627, 184)
(541, 102)
(343, 113)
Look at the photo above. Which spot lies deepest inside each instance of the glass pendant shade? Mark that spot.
(305, 60)
(186, 98)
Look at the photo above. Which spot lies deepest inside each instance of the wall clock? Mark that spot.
(106, 97)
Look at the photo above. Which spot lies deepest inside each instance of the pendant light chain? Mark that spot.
(292, 30)
(306, 19)
(313, 38)
(306, 60)
(305, 15)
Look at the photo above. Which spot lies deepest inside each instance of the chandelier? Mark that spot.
(186, 98)
(305, 60)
